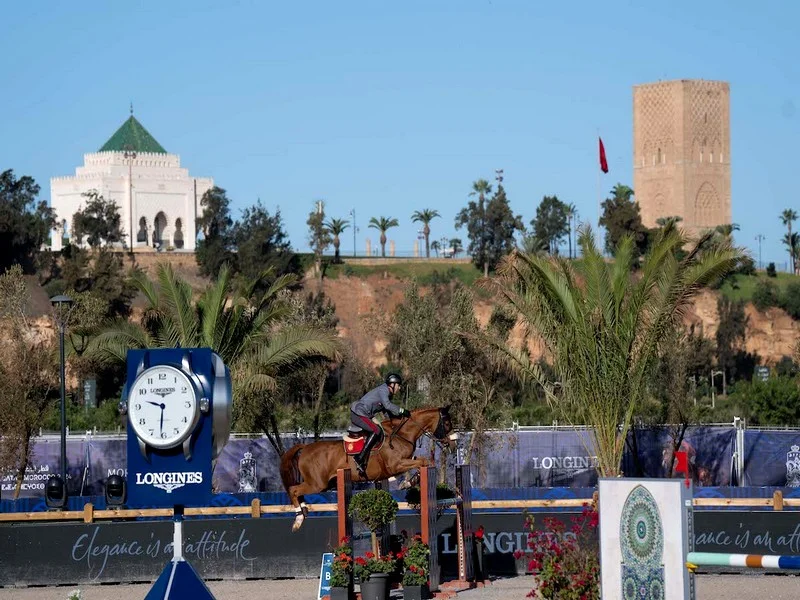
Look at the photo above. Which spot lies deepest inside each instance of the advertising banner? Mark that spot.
(649, 452)
(772, 458)
(227, 548)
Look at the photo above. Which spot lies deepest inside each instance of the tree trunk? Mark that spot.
(318, 406)
(272, 433)
(486, 268)
(383, 245)
(22, 467)
(569, 237)
(426, 231)
(336, 249)
(677, 440)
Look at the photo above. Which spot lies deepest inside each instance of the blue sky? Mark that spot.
(392, 107)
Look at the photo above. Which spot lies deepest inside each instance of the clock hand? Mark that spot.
(154, 403)
(162, 419)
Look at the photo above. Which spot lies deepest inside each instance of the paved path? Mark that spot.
(709, 587)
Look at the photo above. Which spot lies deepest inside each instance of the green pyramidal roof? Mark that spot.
(132, 136)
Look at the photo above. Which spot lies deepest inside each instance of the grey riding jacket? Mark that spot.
(375, 401)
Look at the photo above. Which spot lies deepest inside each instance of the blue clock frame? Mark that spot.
(179, 476)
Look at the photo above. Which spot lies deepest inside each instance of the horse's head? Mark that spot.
(437, 423)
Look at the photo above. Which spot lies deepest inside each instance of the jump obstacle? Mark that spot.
(427, 510)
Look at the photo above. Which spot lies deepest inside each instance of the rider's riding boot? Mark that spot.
(363, 457)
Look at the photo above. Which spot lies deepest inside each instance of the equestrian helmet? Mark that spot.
(394, 378)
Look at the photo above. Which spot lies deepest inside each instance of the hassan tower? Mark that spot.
(681, 152)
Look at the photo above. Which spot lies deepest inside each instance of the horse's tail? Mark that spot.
(290, 469)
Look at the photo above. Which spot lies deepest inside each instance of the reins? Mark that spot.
(424, 431)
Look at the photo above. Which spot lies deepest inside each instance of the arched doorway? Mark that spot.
(159, 225)
(141, 235)
(177, 237)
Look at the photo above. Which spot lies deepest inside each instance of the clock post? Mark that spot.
(178, 402)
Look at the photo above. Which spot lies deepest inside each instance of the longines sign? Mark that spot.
(76, 553)
(170, 480)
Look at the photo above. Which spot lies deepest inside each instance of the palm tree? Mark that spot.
(605, 333)
(481, 188)
(455, 244)
(571, 213)
(435, 247)
(664, 221)
(336, 227)
(792, 241)
(251, 336)
(788, 216)
(383, 225)
(425, 217)
(727, 229)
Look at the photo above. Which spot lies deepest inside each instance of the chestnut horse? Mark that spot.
(310, 468)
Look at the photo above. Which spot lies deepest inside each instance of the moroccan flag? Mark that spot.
(603, 161)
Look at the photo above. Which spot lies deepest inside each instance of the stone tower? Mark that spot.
(681, 152)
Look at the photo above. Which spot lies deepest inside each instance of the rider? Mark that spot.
(371, 403)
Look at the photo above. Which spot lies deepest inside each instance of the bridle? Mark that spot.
(437, 436)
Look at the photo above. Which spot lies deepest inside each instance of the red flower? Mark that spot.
(360, 562)
(369, 555)
(479, 533)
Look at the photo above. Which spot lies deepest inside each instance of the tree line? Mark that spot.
(609, 338)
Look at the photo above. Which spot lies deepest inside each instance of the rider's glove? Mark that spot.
(405, 413)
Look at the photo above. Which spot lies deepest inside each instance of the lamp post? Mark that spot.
(130, 156)
(759, 238)
(355, 229)
(713, 374)
(62, 305)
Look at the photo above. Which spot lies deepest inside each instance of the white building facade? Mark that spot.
(158, 201)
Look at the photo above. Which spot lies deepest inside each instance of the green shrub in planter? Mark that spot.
(374, 508)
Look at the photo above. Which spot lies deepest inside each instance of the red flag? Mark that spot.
(603, 161)
(683, 463)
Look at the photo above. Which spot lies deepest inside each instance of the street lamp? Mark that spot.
(759, 238)
(713, 374)
(62, 305)
(355, 230)
(130, 155)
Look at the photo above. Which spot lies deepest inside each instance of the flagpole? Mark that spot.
(599, 204)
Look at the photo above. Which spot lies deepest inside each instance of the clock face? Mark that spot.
(162, 406)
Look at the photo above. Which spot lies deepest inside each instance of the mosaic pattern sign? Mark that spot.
(644, 525)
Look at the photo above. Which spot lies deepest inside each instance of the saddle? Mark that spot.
(354, 442)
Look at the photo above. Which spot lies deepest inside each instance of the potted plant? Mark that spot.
(373, 572)
(342, 571)
(416, 567)
(376, 509)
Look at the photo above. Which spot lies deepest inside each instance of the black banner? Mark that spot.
(135, 551)
(747, 532)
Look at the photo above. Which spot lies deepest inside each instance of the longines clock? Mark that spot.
(178, 402)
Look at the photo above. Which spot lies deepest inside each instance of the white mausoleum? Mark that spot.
(159, 202)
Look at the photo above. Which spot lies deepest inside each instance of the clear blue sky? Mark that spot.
(390, 107)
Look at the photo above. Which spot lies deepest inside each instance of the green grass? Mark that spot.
(424, 272)
(742, 287)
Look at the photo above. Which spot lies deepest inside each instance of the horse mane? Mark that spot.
(390, 422)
